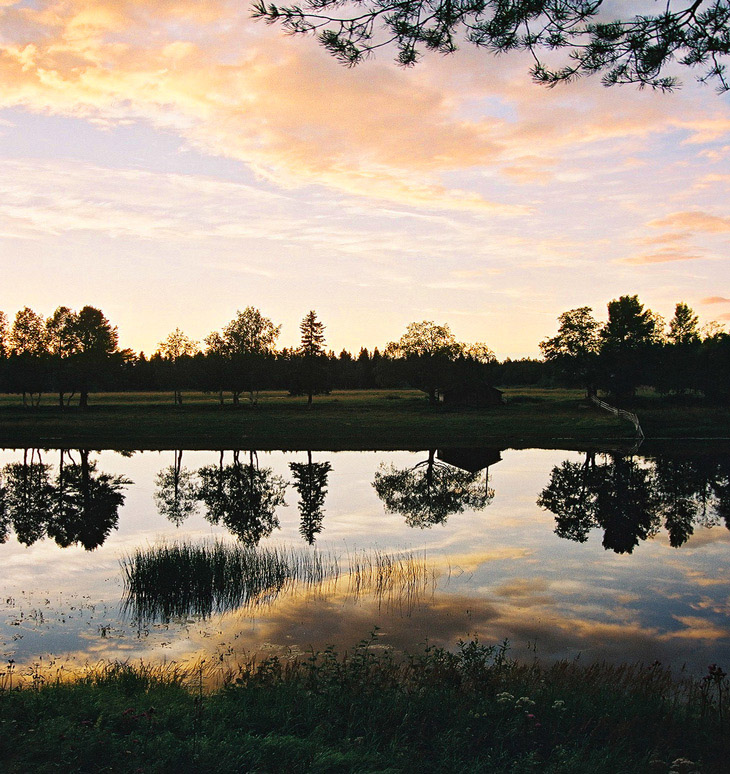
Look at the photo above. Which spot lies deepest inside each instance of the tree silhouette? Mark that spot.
(241, 351)
(242, 497)
(28, 349)
(310, 480)
(177, 349)
(683, 327)
(574, 350)
(430, 491)
(311, 349)
(176, 493)
(426, 351)
(633, 49)
(626, 338)
(96, 342)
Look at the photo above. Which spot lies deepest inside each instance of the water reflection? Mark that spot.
(310, 480)
(432, 490)
(499, 570)
(631, 498)
(182, 580)
(176, 491)
(242, 496)
(79, 507)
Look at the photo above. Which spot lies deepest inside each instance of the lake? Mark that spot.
(111, 555)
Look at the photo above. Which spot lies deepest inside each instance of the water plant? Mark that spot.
(172, 580)
(178, 579)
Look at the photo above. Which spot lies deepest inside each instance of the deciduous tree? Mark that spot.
(96, 342)
(575, 347)
(176, 349)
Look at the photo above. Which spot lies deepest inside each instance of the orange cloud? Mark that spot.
(667, 255)
(693, 221)
(240, 89)
(715, 300)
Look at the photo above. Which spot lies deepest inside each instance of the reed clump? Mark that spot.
(176, 580)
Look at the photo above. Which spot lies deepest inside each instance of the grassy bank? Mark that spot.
(367, 419)
(470, 711)
(378, 419)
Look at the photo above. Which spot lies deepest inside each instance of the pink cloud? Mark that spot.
(715, 300)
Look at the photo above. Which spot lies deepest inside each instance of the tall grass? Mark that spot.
(180, 579)
(471, 709)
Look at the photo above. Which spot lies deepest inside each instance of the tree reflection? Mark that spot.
(87, 503)
(631, 498)
(430, 491)
(81, 506)
(243, 497)
(28, 496)
(176, 494)
(310, 480)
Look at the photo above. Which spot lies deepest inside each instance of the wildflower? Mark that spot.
(530, 716)
(524, 701)
(504, 698)
(683, 766)
(559, 705)
(715, 673)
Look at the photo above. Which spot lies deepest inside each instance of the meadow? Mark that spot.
(358, 419)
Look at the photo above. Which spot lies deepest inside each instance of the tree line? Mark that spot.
(636, 347)
(74, 353)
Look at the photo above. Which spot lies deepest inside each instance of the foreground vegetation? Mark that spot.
(468, 711)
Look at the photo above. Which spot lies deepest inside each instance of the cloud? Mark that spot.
(240, 89)
(715, 300)
(667, 255)
(693, 221)
(289, 111)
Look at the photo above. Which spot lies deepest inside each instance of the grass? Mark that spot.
(175, 580)
(367, 419)
(471, 710)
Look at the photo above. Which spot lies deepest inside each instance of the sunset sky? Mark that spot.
(171, 161)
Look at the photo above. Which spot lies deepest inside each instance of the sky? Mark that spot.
(173, 161)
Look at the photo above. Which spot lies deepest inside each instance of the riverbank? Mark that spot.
(436, 711)
(369, 419)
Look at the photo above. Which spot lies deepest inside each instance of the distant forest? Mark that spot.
(71, 354)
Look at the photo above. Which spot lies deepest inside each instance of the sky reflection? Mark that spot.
(499, 570)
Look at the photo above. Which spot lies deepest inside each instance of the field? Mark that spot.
(368, 419)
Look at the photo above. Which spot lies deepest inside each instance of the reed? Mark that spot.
(174, 580)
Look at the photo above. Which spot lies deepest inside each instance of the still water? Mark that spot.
(565, 554)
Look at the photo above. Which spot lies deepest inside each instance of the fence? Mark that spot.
(620, 413)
